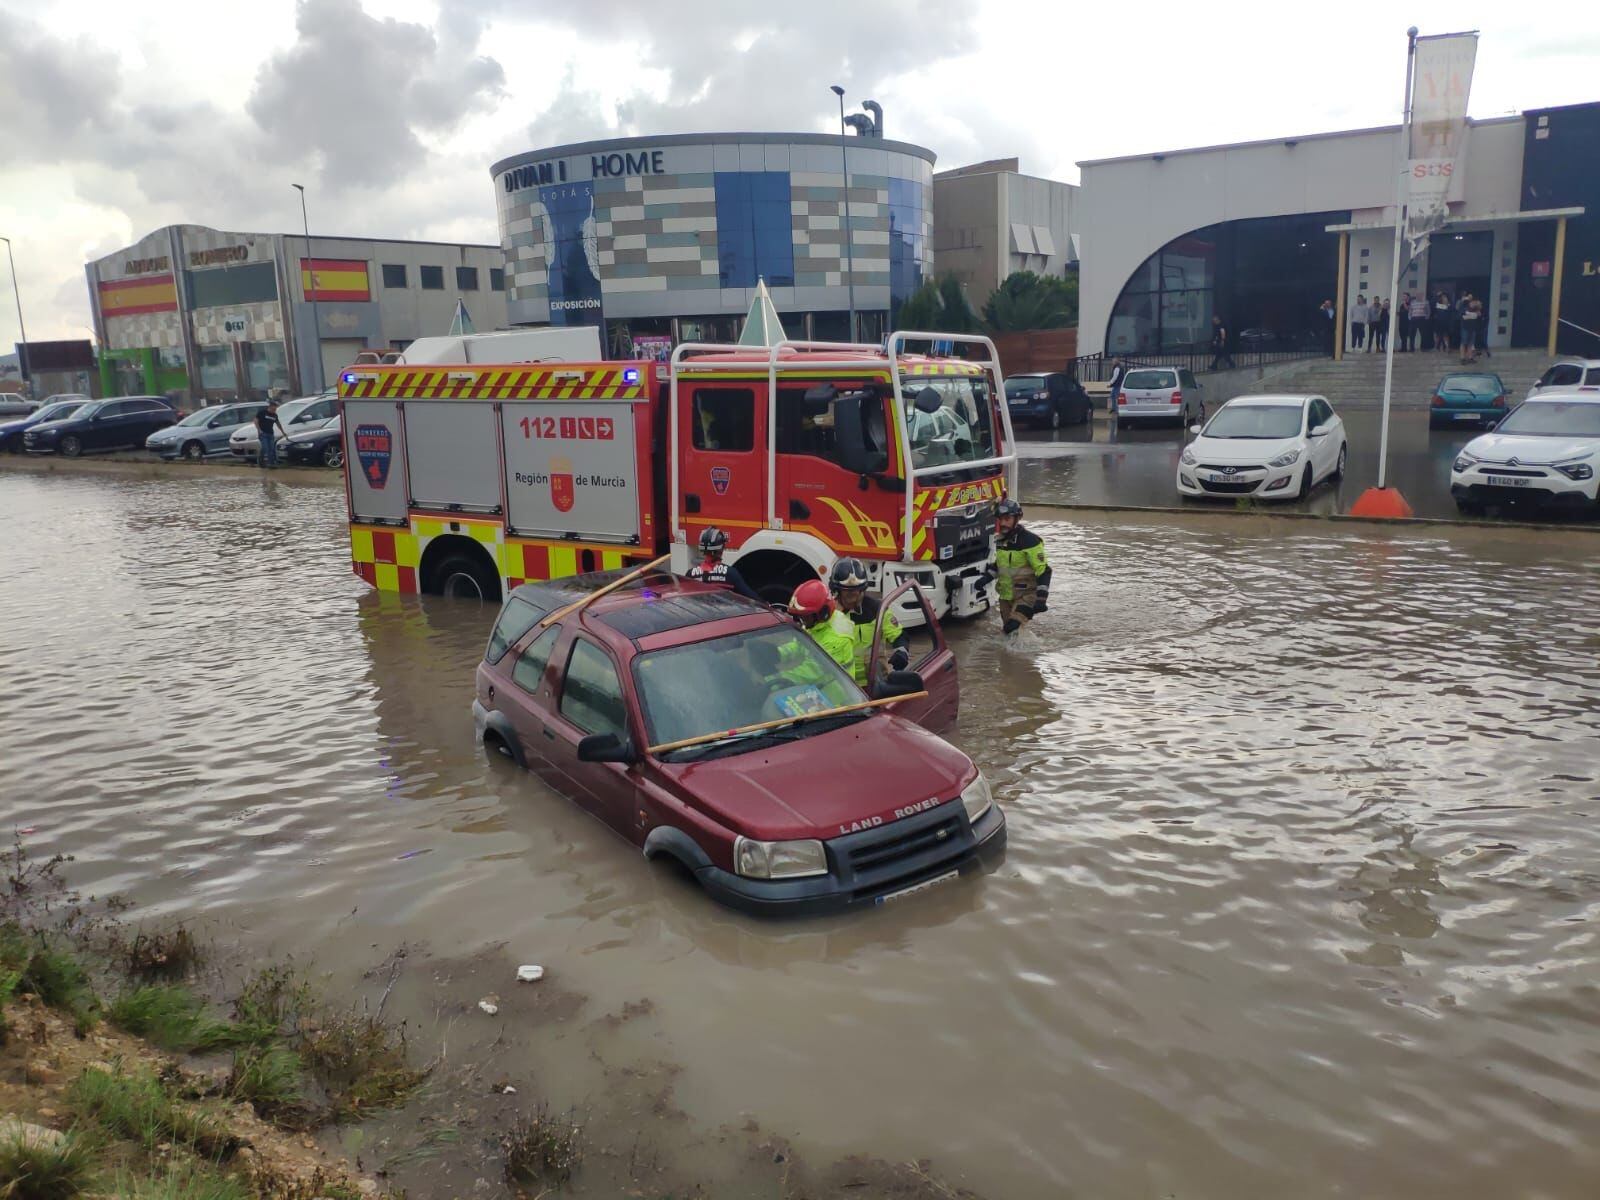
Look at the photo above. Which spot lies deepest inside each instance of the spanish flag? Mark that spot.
(334, 279)
(130, 297)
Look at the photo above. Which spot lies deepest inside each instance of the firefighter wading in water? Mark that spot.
(856, 617)
(1022, 574)
(711, 568)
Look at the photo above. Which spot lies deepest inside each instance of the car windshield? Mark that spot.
(1478, 385)
(742, 679)
(1149, 381)
(1263, 421)
(960, 431)
(1553, 418)
(59, 412)
(201, 417)
(1021, 385)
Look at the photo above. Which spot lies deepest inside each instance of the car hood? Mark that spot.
(822, 786)
(245, 433)
(14, 426)
(326, 429)
(1243, 451)
(1502, 447)
(53, 426)
(170, 433)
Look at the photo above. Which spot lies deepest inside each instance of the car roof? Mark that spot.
(654, 604)
(1568, 394)
(1273, 401)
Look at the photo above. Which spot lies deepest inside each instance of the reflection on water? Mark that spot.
(1300, 896)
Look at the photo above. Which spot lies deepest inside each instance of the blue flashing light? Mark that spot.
(349, 377)
(630, 375)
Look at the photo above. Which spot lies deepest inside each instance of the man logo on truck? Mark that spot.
(374, 444)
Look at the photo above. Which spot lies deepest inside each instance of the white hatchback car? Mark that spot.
(1547, 449)
(1268, 447)
(293, 415)
(1569, 375)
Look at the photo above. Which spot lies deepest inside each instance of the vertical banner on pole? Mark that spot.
(1443, 80)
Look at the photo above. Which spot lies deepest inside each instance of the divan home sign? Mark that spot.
(601, 166)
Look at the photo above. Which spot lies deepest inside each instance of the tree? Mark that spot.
(938, 307)
(1029, 301)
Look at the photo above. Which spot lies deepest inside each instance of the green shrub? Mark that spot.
(183, 1181)
(269, 1078)
(61, 982)
(361, 1062)
(33, 1169)
(174, 1018)
(138, 1105)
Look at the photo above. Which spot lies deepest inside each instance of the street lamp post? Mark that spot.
(22, 360)
(316, 308)
(849, 250)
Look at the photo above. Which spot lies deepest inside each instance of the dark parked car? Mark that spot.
(319, 447)
(1053, 399)
(708, 729)
(102, 425)
(11, 431)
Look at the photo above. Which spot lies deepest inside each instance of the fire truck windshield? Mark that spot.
(961, 431)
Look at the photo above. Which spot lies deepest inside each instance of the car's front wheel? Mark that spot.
(194, 451)
(1469, 508)
(71, 447)
(1055, 416)
(333, 455)
(1305, 484)
(1338, 467)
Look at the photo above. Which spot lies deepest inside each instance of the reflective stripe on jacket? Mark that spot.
(1020, 566)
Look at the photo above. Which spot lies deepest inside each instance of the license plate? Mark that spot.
(920, 887)
(1467, 417)
(1218, 477)
(1508, 480)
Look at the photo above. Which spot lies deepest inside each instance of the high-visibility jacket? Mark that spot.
(860, 627)
(1021, 569)
(838, 646)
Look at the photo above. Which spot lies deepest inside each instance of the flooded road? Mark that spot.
(1300, 898)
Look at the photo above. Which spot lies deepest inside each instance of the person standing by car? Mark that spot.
(1118, 370)
(711, 568)
(1219, 344)
(1358, 323)
(813, 608)
(855, 615)
(266, 419)
(1419, 322)
(1022, 573)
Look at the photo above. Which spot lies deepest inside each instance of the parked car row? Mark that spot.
(296, 416)
(123, 423)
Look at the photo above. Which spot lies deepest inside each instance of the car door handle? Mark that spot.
(546, 731)
(491, 692)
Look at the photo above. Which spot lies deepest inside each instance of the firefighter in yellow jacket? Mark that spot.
(856, 618)
(1022, 573)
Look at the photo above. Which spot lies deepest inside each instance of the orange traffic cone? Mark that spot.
(1385, 503)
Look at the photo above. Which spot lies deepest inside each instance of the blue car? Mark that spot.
(202, 433)
(1469, 398)
(1052, 399)
(11, 431)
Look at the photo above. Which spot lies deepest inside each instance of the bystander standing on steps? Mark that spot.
(1219, 344)
(1403, 324)
(1380, 325)
(1419, 322)
(1358, 323)
(267, 450)
(1374, 314)
(1471, 319)
(1329, 327)
(1442, 322)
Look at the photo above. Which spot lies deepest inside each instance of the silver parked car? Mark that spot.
(204, 432)
(1160, 393)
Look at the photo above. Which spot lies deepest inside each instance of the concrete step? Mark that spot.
(1357, 380)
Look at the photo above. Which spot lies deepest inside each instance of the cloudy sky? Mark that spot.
(117, 118)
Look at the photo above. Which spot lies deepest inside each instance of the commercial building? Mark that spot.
(994, 221)
(207, 314)
(662, 240)
(1261, 233)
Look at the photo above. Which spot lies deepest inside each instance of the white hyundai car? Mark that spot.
(1547, 450)
(1265, 447)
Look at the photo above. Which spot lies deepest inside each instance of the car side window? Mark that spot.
(115, 410)
(591, 693)
(724, 419)
(529, 669)
(516, 618)
(1562, 375)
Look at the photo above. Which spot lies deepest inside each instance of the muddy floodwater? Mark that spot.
(1301, 897)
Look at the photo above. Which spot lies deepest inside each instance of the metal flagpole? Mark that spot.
(1394, 275)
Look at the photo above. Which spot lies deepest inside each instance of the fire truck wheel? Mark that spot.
(464, 578)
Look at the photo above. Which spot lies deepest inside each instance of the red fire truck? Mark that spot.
(469, 478)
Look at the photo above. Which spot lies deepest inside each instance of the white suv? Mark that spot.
(295, 416)
(1547, 449)
(1567, 375)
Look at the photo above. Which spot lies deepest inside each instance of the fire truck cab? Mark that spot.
(473, 478)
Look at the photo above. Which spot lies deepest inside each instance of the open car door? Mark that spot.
(930, 657)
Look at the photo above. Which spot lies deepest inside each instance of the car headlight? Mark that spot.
(1287, 459)
(1576, 470)
(1464, 460)
(1187, 457)
(976, 799)
(778, 860)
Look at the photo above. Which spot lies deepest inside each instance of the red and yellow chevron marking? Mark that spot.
(919, 370)
(926, 505)
(582, 381)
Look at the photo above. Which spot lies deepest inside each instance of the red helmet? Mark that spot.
(810, 599)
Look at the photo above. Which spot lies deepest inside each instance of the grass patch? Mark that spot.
(269, 1078)
(39, 1169)
(167, 956)
(61, 982)
(272, 1002)
(541, 1148)
(140, 1106)
(174, 1018)
(183, 1181)
(360, 1062)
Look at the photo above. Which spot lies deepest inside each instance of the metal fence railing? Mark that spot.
(1096, 368)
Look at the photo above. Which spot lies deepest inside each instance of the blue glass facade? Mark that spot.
(574, 265)
(908, 243)
(754, 234)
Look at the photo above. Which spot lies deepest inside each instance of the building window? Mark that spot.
(394, 275)
(432, 278)
(497, 279)
(466, 279)
(755, 230)
(215, 287)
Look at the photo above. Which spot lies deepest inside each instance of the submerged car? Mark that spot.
(101, 425)
(707, 728)
(1476, 397)
(1546, 451)
(1267, 447)
(11, 431)
(203, 432)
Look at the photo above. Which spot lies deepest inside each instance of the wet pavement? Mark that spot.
(1104, 464)
(1300, 897)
